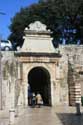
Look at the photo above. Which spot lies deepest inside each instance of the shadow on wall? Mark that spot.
(70, 118)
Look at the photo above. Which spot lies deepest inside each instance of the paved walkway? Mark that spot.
(60, 115)
(4, 117)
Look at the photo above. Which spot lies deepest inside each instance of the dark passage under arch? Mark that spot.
(39, 81)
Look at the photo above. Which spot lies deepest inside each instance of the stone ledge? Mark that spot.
(31, 54)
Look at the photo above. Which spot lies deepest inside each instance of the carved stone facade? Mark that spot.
(39, 53)
(49, 63)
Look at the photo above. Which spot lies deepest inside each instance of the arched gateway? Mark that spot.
(39, 81)
(57, 76)
(40, 65)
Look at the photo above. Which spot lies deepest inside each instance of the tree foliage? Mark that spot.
(63, 17)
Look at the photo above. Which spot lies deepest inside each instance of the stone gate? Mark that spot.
(56, 73)
(38, 52)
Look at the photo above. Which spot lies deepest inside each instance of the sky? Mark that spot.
(10, 8)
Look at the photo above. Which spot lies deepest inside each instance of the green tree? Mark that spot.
(56, 14)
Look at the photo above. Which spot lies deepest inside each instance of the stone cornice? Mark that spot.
(31, 54)
(30, 32)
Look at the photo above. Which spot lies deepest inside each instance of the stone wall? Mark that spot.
(74, 54)
(63, 70)
(9, 79)
(69, 77)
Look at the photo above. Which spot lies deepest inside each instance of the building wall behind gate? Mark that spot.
(74, 55)
(9, 76)
(19, 81)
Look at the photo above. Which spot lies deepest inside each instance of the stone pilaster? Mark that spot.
(52, 93)
(12, 105)
(26, 95)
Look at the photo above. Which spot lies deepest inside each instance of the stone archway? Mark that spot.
(39, 81)
(38, 55)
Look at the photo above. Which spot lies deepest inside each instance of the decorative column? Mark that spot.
(53, 87)
(58, 79)
(25, 94)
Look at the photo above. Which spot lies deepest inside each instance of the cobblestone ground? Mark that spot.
(60, 115)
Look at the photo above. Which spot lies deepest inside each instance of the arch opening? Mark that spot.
(39, 81)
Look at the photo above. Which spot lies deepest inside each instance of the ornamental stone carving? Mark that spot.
(37, 26)
(37, 39)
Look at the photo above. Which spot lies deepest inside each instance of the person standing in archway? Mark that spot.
(29, 96)
(33, 100)
(39, 100)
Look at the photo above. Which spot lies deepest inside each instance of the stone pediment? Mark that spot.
(37, 39)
